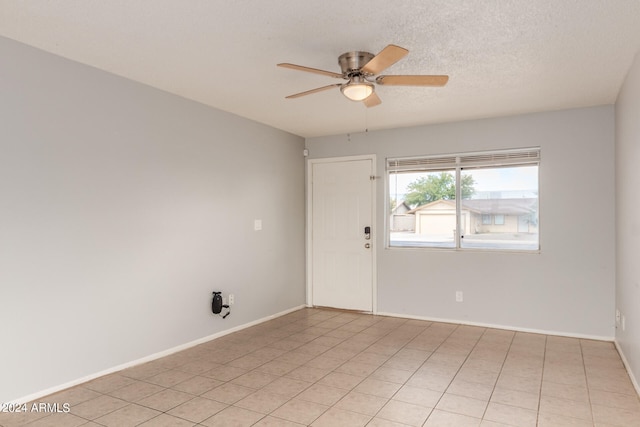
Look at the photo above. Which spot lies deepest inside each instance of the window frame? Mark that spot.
(458, 162)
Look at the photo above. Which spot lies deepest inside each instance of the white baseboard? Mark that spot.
(55, 389)
(505, 327)
(194, 343)
(634, 381)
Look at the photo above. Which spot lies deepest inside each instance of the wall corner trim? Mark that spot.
(634, 381)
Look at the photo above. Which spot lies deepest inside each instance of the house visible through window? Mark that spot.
(486, 200)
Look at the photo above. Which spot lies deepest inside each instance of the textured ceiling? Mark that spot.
(503, 57)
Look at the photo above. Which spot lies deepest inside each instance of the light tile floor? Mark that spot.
(316, 367)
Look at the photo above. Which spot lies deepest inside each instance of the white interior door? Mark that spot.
(341, 255)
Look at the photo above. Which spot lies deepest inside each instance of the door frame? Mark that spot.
(309, 224)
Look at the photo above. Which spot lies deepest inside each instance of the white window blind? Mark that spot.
(528, 156)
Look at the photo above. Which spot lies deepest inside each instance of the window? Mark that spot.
(486, 200)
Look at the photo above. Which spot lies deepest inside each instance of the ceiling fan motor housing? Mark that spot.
(352, 62)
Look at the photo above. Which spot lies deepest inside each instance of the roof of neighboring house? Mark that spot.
(451, 203)
(401, 208)
(519, 206)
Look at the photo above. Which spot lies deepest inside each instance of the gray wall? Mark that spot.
(628, 218)
(569, 287)
(121, 209)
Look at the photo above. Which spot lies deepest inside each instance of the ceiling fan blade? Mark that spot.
(309, 92)
(372, 100)
(386, 58)
(412, 80)
(311, 70)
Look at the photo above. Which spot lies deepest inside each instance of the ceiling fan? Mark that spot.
(360, 70)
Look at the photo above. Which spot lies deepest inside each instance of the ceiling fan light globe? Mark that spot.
(357, 91)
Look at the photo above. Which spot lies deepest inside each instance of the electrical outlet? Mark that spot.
(458, 296)
(232, 299)
(257, 224)
(617, 317)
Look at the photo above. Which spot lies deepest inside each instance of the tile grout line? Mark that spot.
(586, 379)
(499, 374)
(544, 360)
